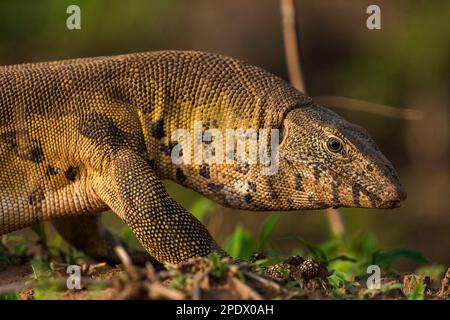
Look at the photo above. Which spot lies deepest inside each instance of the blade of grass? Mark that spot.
(266, 230)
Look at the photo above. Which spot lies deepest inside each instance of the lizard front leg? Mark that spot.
(164, 228)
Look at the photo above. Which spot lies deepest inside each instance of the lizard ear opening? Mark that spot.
(281, 133)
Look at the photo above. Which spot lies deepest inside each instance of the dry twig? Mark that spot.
(365, 106)
(287, 8)
(196, 291)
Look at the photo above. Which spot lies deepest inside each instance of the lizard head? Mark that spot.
(325, 161)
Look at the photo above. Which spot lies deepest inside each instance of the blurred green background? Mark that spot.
(405, 64)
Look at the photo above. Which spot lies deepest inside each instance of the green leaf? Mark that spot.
(342, 258)
(126, 234)
(388, 287)
(38, 229)
(387, 258)
(418, 293)
(9, 296)
(316, 252)
(266, 230)
(335, 281)
(56, 241)
(234, 243)
(201, 208)
(11, 238)
(240, 244)
(434, 271)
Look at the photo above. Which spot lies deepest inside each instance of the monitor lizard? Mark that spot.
(80, 136)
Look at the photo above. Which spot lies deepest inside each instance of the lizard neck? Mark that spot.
(202, 94)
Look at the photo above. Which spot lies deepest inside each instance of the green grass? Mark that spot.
(346, 259)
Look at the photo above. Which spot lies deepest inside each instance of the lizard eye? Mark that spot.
(334, 144)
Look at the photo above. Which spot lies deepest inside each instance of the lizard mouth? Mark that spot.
(398, 197)
(392, 204)
(391, 197)
(392, 200)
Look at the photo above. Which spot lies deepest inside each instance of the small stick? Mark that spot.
(245, 290)
(265, 282)
(196, 288)
(371, 107)
(124, 257)
(14, 287)
(290, 44)
(157, 291)
(295, 77)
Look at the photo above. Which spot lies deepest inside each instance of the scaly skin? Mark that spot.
(81, 136)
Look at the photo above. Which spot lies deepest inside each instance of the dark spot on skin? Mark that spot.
(334, 185)
(372, 201)
(10, 139)
(248, 198)
(152, 163)
(366, 193)
(215, 187)
(36, 155)
(181, 177)
(290, 203)
(244, 168)
(51, 171)
(101, 129)
(251, 186)
(157, 129)
(299, 183)
(356, 188)
(369, 168)
(273, 193)
(35, 201)
(35, 198)
(167, 148)
(71, 173)
(204, 172)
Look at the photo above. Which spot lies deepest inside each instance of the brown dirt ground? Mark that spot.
(198, 279)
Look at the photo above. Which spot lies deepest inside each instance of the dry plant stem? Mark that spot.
(290, 44)
(335, 221)
(245, 291)
(157, 291)
(124, 258)
(295, 77)
(365, 106)
(15, 287)
(271, 285)
(196, 291)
